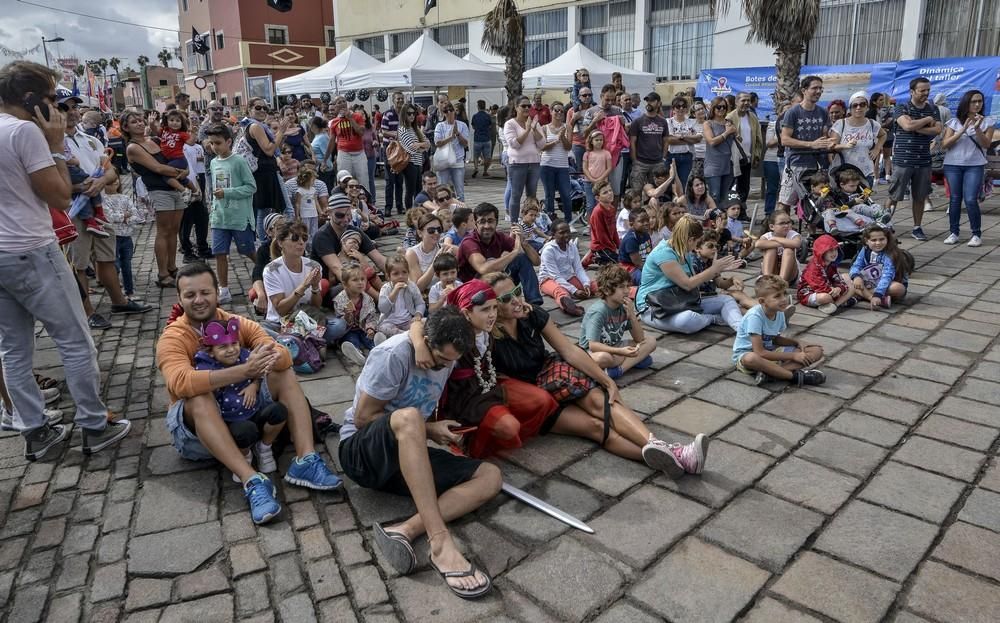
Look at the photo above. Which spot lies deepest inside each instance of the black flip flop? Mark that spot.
(396, 548)
(473, 593)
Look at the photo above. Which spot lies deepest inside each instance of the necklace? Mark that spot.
(491, 382)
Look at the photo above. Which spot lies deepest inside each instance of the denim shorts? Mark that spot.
(482, 150)
(223, 238)
(187, 443)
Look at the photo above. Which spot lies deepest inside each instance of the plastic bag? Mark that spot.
(444, 158)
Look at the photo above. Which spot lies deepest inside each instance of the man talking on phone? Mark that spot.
(36, 282)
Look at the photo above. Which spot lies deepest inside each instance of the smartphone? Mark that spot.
(34, 100)
(461, 430)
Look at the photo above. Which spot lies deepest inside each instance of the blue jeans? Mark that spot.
(336, 328)
(578, 151)
(964, 184)
(772, 181)
(717, 309)
(523, 180)
(588, 192)
(718, 187)
(124, 248)
(522, 272)
(553, 177)
(456, 177)
(684, 164)
(393, 190)
(360, 339)
(371, 176)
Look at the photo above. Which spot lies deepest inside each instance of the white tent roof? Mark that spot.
(558, 74)
(472, 58)
(425, 65)
(323, 78)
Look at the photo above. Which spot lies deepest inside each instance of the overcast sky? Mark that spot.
(23, 25)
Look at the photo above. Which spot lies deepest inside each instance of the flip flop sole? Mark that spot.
(397, 550)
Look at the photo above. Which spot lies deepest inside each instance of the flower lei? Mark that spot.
(491, 382)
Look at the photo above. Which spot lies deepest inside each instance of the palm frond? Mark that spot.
(782, 23)
(503, 30)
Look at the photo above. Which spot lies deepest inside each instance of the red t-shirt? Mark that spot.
(347, 138)
(542, 115)
(172, 143)
(604, 234)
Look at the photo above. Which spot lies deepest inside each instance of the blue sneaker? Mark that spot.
(615, 372)
(918, 234)
(645, 363)
(260, 492)
(311, 472)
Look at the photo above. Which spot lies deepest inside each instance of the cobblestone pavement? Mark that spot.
(873, 497)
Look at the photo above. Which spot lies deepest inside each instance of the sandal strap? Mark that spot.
(460, 574)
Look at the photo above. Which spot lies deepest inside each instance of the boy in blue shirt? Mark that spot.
(761, 350)
(636, 245)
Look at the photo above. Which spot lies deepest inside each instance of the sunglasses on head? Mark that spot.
(510, 296)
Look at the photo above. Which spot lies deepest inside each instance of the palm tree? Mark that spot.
(79, 70)
(785, 25)
(142, 61)
(503, 35)
(165, 57)
(115, 63)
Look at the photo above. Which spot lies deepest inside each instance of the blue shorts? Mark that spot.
(187, 443)
(482, 150)
(223, 238)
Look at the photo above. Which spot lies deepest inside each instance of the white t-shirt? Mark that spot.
(278, 279)
(746, 138)
(770, 236)
(621, 222)
(770, 153)
(26, 224)
(436, 293)
(964, 151)
(866, 137)
(87, 149)
(680, 129)
(195, 156)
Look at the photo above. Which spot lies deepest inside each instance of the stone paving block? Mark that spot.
(960, 340)
(367, 587)
(237, 527)
(80, 538)
(946, 356)
(802, 406)
(324, 578)
(837, 590)
(276, 538)
(831, 346)
(990, 480)
(842, 453)
(492, 550)
(611, 475)
(983, 391)
(339, 518)
(117, 516)
(586, 579)
(913, 491)
(982, 508)
(645, 511)
(763, 528)
(179, 500)
(544, 455)
(50, 533)
(623, 612)
(970, 411)
(841, 384)
(770, 610)
(732, 394)
(10, 552)
(881, 347)
(888, 407)
(647, 398)
(729, 469)
(868, 428)
(972, 548)
(165, 460)
(693, 416)
(958, 432)
(841, 328)
(684, 377)
(245, 559)
(314, 544)
(884, 541)
(424, 597)
(350, 549)
(706, 584)
(30, 495)
(108, 583)
(933, 371)
(215, 609)
(764, 433)
(526, 522)
(897, 333)
(920, 390)
(940, 458)
(177, 551)
(112, 547)
(74, 572)
(28, 604)
(285, 575)
(988, 370)
(201, 583)
(297, 608)
(6, 584)
(944, 594)
(717, 357)
(917, 321)
(147, 592)
(252, 595)
(860, 363)
(66, 609)
(336, 611)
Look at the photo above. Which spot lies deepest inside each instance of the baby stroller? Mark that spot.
(577, 199)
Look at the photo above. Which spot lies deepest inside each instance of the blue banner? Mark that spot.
(953, 77)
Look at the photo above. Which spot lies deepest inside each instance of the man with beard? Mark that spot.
(648, 136)
(485, 250)
(918, 122)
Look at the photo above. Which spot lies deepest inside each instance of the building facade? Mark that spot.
(675, 39)
(161, 85)
(251, 46)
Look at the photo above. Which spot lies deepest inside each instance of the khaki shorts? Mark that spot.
(87, 247)
(166, 200)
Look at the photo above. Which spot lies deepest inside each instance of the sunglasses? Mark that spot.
(510, 296)
(720, 107)
(341, 215)
(215, 108)
(585, 95)
(859, 105)
(260, 107)
(557, 110)
(434, 230)
(296, 238)
(442, 199)
(352, 186)
(524, 106)
(680, 107)
(411, 114)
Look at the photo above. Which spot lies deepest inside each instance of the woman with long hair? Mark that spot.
(295, 136)
(700, 113)
(413, 141)
(555, 162)
(719, 136)
(266, 146)
(967, 136)
(696, 199)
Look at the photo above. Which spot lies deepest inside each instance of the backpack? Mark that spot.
(242, 146)
(305, 351)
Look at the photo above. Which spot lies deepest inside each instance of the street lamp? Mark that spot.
(46, 50)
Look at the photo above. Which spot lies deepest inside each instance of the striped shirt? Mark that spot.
(390, 123)
(408, 139)
(913, 149)
(555, 156)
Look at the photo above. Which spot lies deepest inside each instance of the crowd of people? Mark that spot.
(450, 330)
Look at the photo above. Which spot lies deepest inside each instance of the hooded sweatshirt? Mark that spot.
(820, 277)
(875, 268)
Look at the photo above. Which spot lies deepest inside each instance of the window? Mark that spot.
(403, 40)
(331, 37)
(184, 5)
(236, 99)
(681, 36)
(544, 37)
(453, 38)
(220, 40)
(609, 30)
(961, 28)
(163, 83)
(222, 100)
(373, 46)
(194, 63)
(276, 35)
(857, 31)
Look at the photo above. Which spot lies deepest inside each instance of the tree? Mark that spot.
(165, 57)
(785, 25)
(115, 63)
(95, 67)
(143, 60)
(503, 35)
(103, 62)
(79, 70)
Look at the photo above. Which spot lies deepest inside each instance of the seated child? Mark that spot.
(358, 311)
(461, 220)
(604, 239)
(664, 188)
(631, 202)
(350, 253)
(90, 210)
(881, 270)
(174, 134)
(410, 238)
(779, 246)
(636, 245)
(288, 165)
(761, 350)
(535, 223)
(856, 207)
(446, 270)
(705, 253)
(822, 285)
(400, 300)
(740, 242)
(252, 417)
(606, 321)
(560, 271)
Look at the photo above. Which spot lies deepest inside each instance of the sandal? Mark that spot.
(471, 593)
(396, 548)
(172, 272)
(166, 282)
(45, 382)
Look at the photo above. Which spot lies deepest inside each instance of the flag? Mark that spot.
(428, 5)
(76, 89)
(199, 43)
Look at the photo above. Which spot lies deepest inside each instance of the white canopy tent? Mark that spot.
(424, 65)
(558, 74)
(323, 78)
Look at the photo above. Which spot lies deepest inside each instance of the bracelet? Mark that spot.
(58, 156)
(315, 290)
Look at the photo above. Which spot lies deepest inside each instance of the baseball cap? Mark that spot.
(342, 175)
(652, 96)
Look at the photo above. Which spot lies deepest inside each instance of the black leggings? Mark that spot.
(248, 432)
(411, 179)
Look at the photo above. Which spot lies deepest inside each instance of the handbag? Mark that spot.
(673, 300)
(444, 158)
(563, 381)
(397, 157)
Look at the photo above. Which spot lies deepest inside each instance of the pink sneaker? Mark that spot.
(659, 455)
(692, 456)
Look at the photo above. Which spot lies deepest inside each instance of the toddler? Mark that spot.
(446, 270)
(705, 252)
(90, 210)
(779, 246)
(461, 218)
(739, 240)
(822, 285)
(560, 272)
(399, 301)
(174, 135)
(881, 270)
(762, 351)
(636, 245)
(125, 216)
(350, 253)
(602, 333)
(631, 202)
(304, 200)
(253, 418)
(855, 204)
(535, 224)
(358, 310)
(604, 240)
(413, 215)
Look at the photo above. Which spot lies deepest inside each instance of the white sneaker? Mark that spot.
(51, 394)
(8, 423)
(249, 457)
(265, 458)
(379, 338)
(572, 228)
(975, 241)
(225, 296)
(928, 206)
(951, 239)
(352, 353)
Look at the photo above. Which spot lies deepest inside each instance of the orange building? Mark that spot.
(251, 46)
